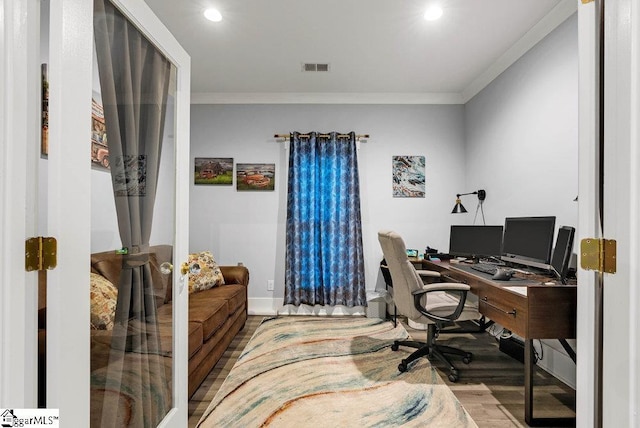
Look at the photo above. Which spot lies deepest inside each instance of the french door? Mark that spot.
(59, 203)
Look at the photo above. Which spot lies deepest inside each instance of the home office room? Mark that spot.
(284, 238)
(516, 138)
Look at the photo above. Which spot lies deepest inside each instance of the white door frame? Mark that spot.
(19, 147)
(621, 209)
(587, 407)
(69, 208)
(621, 213)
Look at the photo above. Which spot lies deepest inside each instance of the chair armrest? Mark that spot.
(458, 289)
(235, 274)
(444, 286)
(428, 273)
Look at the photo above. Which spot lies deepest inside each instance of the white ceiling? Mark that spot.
(378, 50)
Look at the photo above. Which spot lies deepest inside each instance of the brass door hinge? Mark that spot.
(598, 255)
(40, 253)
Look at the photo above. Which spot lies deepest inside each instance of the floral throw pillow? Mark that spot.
(104, 297)
(204, 272)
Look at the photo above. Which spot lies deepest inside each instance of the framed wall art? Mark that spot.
(216, 171)
(99, 149)
(255, 176)
(408, 176)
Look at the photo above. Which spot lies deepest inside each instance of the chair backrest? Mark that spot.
(403, 274)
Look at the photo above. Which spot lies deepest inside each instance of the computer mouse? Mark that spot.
(503, 274)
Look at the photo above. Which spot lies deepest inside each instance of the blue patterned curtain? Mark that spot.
(324, 259)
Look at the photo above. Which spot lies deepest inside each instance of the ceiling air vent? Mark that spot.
(307, 66)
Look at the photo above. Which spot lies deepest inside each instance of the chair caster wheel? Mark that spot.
(395, 347)
(467, 358)
(402, 367)
(453, 376)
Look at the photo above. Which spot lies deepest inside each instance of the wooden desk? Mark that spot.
(528, 308)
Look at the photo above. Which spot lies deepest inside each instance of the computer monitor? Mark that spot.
(562, 252)
(528, 240)
(475, 241)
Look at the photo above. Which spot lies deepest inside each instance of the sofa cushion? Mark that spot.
(235, 294)
(104, 297)
(204, 272)
(211, 313)
(165, 327)
(196, 338)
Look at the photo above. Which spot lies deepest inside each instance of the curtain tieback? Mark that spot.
(138, 256)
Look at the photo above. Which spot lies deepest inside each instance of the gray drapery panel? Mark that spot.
(134, 80)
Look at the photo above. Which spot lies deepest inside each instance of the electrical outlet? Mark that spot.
(270, 285)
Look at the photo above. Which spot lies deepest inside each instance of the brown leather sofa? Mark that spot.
(216, 315)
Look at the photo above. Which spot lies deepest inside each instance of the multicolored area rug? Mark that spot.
(331, 372)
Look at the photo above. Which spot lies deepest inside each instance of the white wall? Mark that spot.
(521, 145)
(249, 227)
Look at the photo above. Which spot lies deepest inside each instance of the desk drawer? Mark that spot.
(505, 308)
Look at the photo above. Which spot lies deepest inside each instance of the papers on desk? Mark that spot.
(518, 289)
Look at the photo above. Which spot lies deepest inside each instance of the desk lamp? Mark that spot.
(459, 208)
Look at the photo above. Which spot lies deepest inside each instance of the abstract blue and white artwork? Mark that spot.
(408, 176)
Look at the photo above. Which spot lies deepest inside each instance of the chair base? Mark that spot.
(431, 350)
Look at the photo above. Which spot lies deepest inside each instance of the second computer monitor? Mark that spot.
(475, 241)
(528, 240)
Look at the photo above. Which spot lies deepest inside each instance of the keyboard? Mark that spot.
(485, 268)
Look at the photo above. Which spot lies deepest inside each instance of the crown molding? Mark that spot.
(546, 25)
(324, 98)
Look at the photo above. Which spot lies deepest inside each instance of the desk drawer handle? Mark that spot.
(486, 300)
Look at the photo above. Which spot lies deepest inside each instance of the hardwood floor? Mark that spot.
(490, 388)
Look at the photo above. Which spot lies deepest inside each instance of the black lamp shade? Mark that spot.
(458, 208)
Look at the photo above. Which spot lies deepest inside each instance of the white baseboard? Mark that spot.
(555, 359)
(263, 305)
(558, 363)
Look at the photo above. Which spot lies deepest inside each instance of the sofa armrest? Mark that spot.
(235, 274)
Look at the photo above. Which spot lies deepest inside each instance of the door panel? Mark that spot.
(65, 212)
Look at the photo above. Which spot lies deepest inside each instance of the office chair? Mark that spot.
(435, 304)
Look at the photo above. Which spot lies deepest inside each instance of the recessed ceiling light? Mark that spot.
(433, 13)
(213, 15)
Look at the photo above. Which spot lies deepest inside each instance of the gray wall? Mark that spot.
(521, 139)
(248, 227)
(521, 145)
